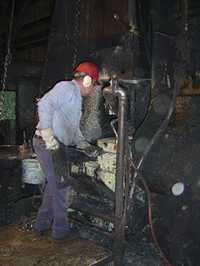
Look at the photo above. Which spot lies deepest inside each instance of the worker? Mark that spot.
(59, 113)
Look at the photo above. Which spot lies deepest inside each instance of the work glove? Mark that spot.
(89, 150)
(49, 139)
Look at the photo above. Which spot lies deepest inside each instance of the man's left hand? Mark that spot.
(90, 150)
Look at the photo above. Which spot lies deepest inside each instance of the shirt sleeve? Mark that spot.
(51, 102)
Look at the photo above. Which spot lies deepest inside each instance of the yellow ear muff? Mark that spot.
(87, 81)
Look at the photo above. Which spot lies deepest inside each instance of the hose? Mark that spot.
(150, 220)
(162, 128)
(137, 168)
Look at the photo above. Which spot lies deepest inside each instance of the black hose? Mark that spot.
(161, 129)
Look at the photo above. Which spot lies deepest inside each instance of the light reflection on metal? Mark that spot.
(133, 81)
(128, 26)
(113, 127)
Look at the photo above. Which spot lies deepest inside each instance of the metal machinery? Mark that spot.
(102, 187)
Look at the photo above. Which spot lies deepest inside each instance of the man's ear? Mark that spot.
(87, 81)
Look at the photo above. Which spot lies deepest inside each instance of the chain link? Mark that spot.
(76, 32)
(3, 82)
(7, 62)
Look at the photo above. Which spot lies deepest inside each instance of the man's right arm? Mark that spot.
(46, 108)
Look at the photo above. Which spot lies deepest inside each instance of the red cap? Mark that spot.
(88, 68)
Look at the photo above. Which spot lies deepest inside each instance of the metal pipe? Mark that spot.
(118, 246)
(113, 127)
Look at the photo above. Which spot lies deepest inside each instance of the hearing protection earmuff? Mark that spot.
(87, 81)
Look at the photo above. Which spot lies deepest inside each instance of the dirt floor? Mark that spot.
(19, 247)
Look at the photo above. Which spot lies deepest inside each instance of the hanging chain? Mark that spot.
(7, 61)
(3, 82)
(76, 32)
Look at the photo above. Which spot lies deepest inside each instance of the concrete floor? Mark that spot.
(27, 248)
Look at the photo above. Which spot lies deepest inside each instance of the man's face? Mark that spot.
(86, 91)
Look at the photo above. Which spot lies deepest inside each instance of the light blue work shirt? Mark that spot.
(60, 110)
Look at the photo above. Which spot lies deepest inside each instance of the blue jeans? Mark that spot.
(53, 210)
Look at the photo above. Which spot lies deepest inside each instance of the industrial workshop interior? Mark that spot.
(131, 195)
